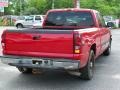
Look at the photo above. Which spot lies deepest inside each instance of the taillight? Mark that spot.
(77, 42)
(3, 38)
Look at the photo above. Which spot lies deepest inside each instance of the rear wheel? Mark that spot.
(25, 70)
(88, 71)
(19, 26)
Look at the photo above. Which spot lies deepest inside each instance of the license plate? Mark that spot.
(41, 62)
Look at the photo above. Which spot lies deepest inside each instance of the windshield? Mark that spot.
(70, 18)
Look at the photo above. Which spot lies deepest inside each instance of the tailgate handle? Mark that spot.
(36, 37)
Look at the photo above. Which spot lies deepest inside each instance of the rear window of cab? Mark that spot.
(70, 18)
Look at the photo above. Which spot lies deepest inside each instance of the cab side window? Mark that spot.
(29, 18)
(100, 20)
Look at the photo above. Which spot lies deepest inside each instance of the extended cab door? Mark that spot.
(104, 33)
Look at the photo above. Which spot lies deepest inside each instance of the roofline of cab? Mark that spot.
(72, 9)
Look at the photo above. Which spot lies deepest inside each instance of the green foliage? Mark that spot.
(40, 5)
(106, 7)
(31, 11)
(63, 3)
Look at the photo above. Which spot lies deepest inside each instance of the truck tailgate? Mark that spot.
(43, 43)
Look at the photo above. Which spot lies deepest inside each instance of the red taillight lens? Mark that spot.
(77, 42)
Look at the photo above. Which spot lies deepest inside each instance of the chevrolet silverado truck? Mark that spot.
(71, 39)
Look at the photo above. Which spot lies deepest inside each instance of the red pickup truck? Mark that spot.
(70, 39)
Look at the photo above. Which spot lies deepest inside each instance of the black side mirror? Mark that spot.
(110, 24)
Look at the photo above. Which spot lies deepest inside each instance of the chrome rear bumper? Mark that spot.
(45, 63)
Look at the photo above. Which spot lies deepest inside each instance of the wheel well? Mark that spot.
(93, 47)
(19, 24)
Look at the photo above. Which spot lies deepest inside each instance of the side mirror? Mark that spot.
(110, 24)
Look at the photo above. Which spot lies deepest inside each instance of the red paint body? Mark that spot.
(60, 45)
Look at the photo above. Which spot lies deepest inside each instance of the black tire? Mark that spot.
(108, 50)
(19, 26)
(25, 70)
(88, 71)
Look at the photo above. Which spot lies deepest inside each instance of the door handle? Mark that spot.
(36, 37)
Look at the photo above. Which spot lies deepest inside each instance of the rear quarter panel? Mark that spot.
(89, 37)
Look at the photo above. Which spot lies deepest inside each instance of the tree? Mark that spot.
(31, 11)
(16, 6)
(106, 7)
(64, 4)
(40, 5)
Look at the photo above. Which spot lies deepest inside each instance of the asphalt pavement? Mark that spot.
(107, 75)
